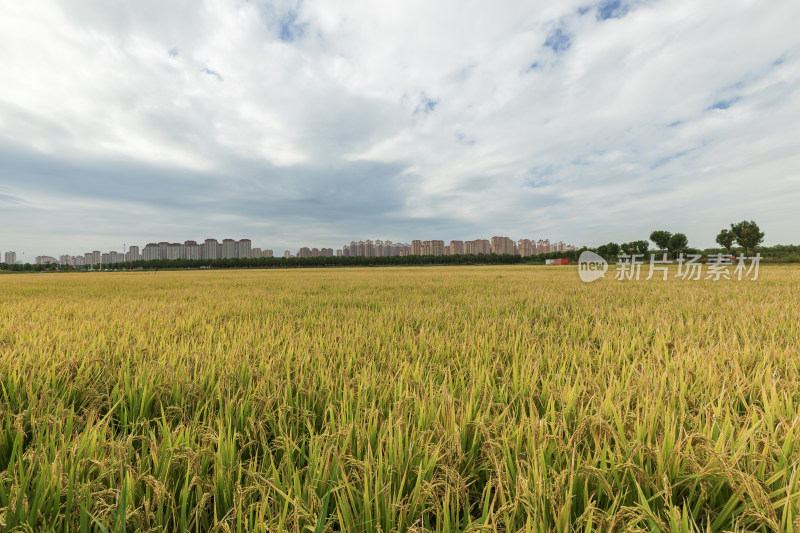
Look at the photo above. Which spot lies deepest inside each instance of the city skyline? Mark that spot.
(227, 248)
(300, 122)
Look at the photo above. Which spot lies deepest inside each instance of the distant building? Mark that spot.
(150, 252)
(190, 250)
(210, 249)
(173, 251)
(243, 248)
(456, 247)
(525, 247)
(478, 246)
(11, 258)
(132, 254)
(367, 248)
(229, 249)
(503, 246)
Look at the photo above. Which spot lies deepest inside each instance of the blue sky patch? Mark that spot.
(664, 160)
(465, 140)
(611, 9)
(210, 72)
(290, 30)
(723, 104)
(426, 105)
(558, 41)
(537, 184)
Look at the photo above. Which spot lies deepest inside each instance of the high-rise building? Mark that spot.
(133, 253)
(243, 248)
(96, 257)
(478, 246)
(456, 247)
(151, 252)
(368, 248)
(543, 246)
(210, 249)
(11, 258)
(503, 246)
(526, 247)
(173, 251)
(287, 254)
(190, 250)
(228, 249)
(416, 247)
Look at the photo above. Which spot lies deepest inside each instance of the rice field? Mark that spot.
(398, 399)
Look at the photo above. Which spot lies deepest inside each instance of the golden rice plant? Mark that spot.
(398, 399)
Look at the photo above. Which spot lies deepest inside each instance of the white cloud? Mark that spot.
(317, 122)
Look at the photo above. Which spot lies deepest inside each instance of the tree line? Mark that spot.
(746, 235)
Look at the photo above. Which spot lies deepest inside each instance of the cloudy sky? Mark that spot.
(315, 123)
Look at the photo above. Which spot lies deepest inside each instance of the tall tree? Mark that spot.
(677, 243)
(748, 235)
(609, 251)
(636, 247)
(725, 239)
(661, 238)
(642, 247)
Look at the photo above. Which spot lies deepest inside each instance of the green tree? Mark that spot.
(609, 251)
(725, 239)
(661, 238)
(748, 235)
(677, 243)
(636, 247)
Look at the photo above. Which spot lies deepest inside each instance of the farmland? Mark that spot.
(498, 398)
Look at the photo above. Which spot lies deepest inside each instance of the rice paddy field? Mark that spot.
(398, 399)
